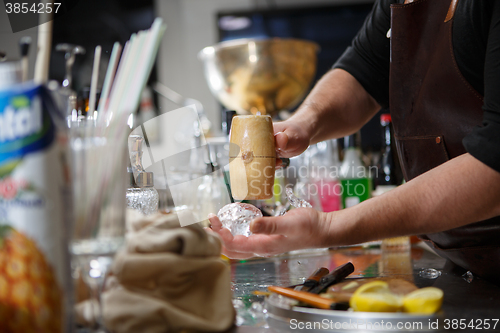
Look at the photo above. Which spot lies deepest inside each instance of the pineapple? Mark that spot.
(30, 299)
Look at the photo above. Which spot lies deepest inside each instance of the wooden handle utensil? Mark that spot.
(252, 157)
(335, 276)
(313, 280)
(308, 298)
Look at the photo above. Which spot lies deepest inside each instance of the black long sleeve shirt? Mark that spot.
(476, 44)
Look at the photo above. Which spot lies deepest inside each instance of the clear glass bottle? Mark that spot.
(141, 194)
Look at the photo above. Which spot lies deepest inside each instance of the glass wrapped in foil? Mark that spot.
(237, 217)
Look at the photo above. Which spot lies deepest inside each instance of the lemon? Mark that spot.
(423, 301)
(374, 286)
(375, 297)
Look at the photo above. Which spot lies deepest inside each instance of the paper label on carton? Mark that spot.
(34, 188)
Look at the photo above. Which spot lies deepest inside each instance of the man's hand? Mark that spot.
(290, 138)
(337, 106)
(298, 229)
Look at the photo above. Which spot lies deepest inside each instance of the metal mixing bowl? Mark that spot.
(260, 75)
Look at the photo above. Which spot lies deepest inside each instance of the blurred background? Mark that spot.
(191, 26)
(179, 77)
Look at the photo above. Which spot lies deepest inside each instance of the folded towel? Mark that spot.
(169, 278)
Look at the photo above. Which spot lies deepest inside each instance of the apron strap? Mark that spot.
(451, 10)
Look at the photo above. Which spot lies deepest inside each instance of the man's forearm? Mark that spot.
(456, 193)
(337, 106)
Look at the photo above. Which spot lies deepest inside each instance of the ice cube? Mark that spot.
(237, 217)
(294, 200)
(429, 273)
(468, 276)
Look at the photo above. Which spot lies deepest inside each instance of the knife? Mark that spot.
(335, 276)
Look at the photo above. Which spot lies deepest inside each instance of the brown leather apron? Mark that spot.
(433, 108)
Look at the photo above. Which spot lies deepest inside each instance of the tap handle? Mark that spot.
(70, 52)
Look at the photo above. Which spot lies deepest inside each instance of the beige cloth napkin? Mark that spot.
(169, 278)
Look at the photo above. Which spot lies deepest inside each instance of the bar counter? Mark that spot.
(468, 299)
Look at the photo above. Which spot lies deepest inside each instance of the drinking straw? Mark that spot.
(125, 68)
(110, 74)
(44, 42)
(104, 116)
(93, 81)
(116, 107)
(121, 93)
(137, 71)
(131, 73)
(145, 64)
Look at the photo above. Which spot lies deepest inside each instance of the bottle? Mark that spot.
(141, 195)
(325, 175)
(83, 103)
(355, 181)
(387, 176)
